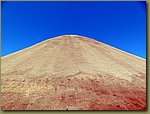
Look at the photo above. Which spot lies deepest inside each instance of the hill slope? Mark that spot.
(73, 73)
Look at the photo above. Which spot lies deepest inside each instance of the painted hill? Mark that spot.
(73, 72)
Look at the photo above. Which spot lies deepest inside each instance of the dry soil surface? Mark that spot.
(73, 73)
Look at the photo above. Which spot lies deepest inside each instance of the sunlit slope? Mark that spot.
(73, 73)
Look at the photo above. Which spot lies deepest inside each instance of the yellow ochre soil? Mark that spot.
(72, 72)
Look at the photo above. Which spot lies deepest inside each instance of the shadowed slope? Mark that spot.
(73, 73)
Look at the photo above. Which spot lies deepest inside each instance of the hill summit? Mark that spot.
(73, 72)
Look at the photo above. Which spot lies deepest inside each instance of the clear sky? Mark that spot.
(119, 24)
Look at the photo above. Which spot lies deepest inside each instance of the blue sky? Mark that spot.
(119, 24)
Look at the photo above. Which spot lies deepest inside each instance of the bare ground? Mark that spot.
(73, 73)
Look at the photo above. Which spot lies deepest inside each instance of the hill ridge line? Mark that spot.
(83, 37)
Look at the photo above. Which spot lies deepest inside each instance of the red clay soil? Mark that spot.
(73, 73)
